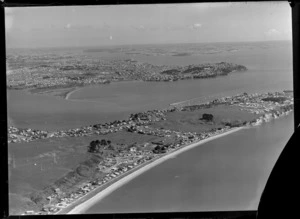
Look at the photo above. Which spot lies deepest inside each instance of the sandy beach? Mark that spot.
(85, 205)
(70, 93)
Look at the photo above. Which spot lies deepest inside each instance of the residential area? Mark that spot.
(265, 105)
(112, 161)
(60, 71)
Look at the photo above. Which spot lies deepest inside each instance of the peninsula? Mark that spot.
(123, 149)
(59, 75)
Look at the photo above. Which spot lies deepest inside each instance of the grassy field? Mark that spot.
(124, 137)
(35, 165)
(186, 121)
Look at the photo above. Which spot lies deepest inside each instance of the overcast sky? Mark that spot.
(147, 24)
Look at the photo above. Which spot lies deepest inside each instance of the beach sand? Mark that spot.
(70, 93)
(85, 205)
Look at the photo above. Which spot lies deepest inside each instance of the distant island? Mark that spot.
(148, 138)
(59, 74)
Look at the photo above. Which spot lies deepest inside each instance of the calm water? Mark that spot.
(270, 69)
(228, 173)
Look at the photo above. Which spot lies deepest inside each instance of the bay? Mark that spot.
(269, 69)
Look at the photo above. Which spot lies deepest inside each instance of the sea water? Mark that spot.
(269, 69)
(226, 174)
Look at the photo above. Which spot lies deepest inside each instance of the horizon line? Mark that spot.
(146, 44)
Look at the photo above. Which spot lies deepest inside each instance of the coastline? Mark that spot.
(96, 195)
(70, 93)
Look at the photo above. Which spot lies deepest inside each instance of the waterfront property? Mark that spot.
(110, 161)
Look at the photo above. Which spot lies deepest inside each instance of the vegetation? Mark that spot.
(85, 170)
(159, 149)
(207, 117)
(96, 146)
(275, 99)
(234, 123)
(171, 72)
(164, 129)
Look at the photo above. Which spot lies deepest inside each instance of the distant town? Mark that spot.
(50, 73)
(110, 161)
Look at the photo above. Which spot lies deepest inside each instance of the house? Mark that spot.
(133, 149)
(57, 190)
(29, 212)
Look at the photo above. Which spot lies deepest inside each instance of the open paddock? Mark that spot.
(190, 121)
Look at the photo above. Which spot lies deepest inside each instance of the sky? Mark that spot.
(78, 26)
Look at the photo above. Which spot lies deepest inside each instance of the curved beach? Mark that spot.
(82, 207)
(70, 93)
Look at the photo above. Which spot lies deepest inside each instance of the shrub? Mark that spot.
(207, 117)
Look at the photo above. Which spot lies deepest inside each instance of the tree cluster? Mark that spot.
(131, 129)
(275, 99)
(235, 123)
(207, 117)
(96, 146)
(159, 149)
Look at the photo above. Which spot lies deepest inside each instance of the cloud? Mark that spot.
(279, 35)
(72, 27)
(9, 18)
(37, 29)
(68, 26)
(9, 21)
(8, 10)
(272, 32)
(172, 28)
(176, 27)
(105, 26)
(153, 28)
(140, 28)
(195, 26)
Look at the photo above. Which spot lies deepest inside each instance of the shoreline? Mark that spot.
(96, 196)
(67, 96)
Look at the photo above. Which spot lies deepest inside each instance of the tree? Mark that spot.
(103, 142)
(157, 148)
(94, 146)
(110, 147)
(236, 123)
(207, 117)
(226, 122)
